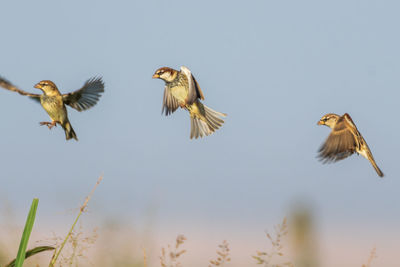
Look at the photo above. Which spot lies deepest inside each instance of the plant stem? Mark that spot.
(81, 210)
(26, 234)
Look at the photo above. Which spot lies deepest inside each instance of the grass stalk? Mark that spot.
(30, 220)
(30, 253)
(81, 210)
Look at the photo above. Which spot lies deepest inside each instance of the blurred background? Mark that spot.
(275, 67)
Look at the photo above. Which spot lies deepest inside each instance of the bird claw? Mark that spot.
(48, 124)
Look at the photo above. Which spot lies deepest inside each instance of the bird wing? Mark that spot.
(194, 88)
(341, 142)
(87, 96)
(170, 103)
(9, 86)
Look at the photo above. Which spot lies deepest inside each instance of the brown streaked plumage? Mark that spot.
(54, 102)
(182, 90)
(344, 140)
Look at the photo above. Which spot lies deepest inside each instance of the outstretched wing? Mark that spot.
(87, 96)
(341, 142)
(194, 88)
(9, 86)
(170, 103)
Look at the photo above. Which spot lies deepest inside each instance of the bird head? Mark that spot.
(329, 120)
(166, 74)
(48, 87)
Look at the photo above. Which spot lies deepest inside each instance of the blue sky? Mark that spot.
(275, 67)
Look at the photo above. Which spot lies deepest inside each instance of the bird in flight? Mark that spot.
(344, 140)
(182, 90)
(54, 102)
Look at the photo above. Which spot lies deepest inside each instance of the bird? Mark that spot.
(53, 102)
(344, 140)
(182, 90)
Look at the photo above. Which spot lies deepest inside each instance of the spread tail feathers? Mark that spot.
(204, 120)
(69, 132)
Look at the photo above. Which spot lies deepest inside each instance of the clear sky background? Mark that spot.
(275, 67)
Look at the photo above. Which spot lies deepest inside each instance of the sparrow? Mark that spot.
(53, 102)
(344, 140)
(182, 90)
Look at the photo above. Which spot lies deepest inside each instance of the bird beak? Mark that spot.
(320, 123)
(38, 86)
(155, 76)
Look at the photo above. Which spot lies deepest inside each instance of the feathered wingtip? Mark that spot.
(4, 82)
(96, 84)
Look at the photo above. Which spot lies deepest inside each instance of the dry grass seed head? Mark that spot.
(223, 253)
(173, 254)
(266, 258)
(371, 258)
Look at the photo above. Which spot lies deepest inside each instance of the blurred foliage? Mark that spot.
(302, 236)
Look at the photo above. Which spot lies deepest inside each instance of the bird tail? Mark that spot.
(69, 132)
(372, 160)
(203, 120)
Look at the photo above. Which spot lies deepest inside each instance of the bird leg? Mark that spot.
(48, 124)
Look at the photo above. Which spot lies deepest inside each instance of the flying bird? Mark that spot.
(182, 90)
(54, 102)
(344, 140)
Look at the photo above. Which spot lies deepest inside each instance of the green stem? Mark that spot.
(81, 210)
(53, 261)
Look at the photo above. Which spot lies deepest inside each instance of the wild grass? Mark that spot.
(22, 252)
(78, 251)
(275, 256)
(171, 255)
(26, 234)
(75, 239)
(222, 255)
(371, 258)
(71, 230)
(288, 245)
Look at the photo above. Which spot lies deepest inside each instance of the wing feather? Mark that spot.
(198, 89)
(9, 86)
(341, 142)
(87, 96)
(194, 88)
(170, 103)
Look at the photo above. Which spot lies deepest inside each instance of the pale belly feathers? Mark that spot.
(55, 108)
